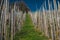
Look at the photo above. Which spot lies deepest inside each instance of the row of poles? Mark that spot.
(48, 21)
(10, 22)
(3, 31)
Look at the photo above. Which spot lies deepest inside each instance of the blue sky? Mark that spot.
(32, 3)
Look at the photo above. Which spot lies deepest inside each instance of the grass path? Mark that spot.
(28, 32)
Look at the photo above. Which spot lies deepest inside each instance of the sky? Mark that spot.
(32, 4)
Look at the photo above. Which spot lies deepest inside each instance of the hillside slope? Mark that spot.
(28, 32)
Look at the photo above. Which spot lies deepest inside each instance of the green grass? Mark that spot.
(28, 32)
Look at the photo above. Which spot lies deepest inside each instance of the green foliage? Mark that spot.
(28, 32)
